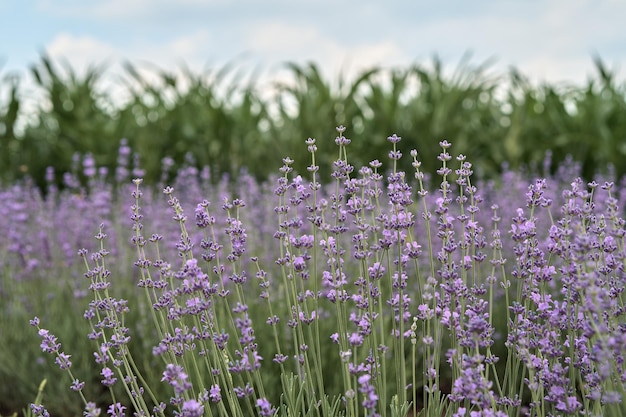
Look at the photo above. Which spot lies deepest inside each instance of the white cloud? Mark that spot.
(105, 9)
(548, 41)
(116, 10)
(551, 39)
(189, 48)
(277, 42)
(384, 53)
(81, 51)
(277, 38)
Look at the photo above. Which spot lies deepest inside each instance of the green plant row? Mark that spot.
(228, 124)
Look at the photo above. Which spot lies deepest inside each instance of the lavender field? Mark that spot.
(363, 291)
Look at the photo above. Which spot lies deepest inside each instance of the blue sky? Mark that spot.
(552, 40)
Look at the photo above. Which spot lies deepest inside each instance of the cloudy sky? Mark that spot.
(552, 40)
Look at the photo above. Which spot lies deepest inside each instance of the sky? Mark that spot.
(547, 40)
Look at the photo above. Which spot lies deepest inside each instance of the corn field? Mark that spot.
(213, 119)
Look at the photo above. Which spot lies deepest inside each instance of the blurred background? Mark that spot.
(229, 84)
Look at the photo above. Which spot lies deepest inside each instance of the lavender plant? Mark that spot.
(373, 294)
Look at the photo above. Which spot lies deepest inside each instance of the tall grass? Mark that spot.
(495, 118)
(378, 292)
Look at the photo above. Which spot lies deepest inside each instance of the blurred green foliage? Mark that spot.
(227, 124)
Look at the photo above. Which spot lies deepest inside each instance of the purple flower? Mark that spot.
(370, 398)
(177, 378)
(63, 360)
(215, 393)
(471, 385)
(49, 342)
(39, 410)
(89, 166)
(355, 339)
(203, 219)
(243, 392)
(116, 410)
(299, 264)
(280, 358)
(265, 408)
(91, 410)
(192, 408)
(109, 377)
(77, 385)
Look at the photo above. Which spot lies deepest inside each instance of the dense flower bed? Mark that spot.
(373, 292)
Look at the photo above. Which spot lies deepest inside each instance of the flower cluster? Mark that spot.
(444, 295)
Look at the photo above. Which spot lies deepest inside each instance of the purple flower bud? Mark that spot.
(192, 408)
(265, 408)
(116, 410)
